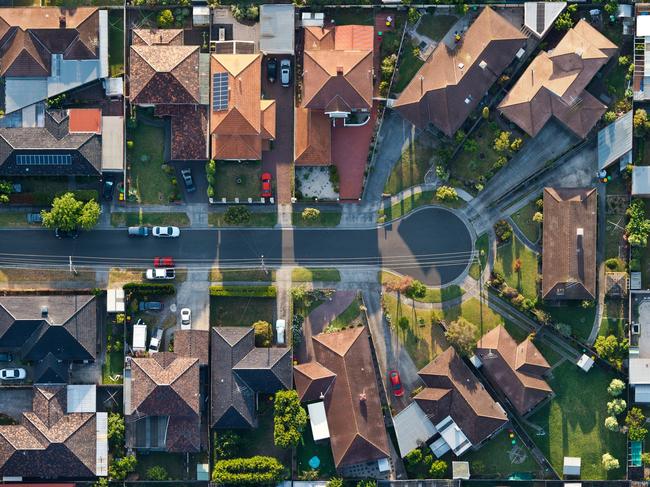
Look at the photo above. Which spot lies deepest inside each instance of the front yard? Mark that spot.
(306, 274)
(238, 180)
(518, 265)
(240, 311)
(325, 219)
(132, 218)
(412, 165)
(257, 219)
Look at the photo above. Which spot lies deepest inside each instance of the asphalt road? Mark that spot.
(431, 244)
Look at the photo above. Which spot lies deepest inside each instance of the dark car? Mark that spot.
(59, 233)
(186, 174)
(272, 69)
(396, 383)
(138, 231)
(150, 306)
(6, 357)
(107, 190)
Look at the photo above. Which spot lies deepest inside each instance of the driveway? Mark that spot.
(194, 294)
(15, 400)
(200, 180)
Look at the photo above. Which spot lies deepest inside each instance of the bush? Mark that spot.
(638, 226)
(503, 231)
(612, 264)
(263, 334)
(609, 462)
(165, 18)
(438, 469)
(236, 215)
(146, 289)
(120, 468)
(244, 291)
(157, 473)
(289, 419)
(610, 349)
(538, 217)
(635, 422)
(616, 387)
(616, 406)
(502, 142)
(310, 214)
(446, 193)
(226, 444)
(611, 423)
(610, 117)
(243, 471)
(116, 432)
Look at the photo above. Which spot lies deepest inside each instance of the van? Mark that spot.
(139, 336)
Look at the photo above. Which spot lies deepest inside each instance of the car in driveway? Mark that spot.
(150, 306)
(186, 174)
(396, 383)
(186, 319)
(13, 374)
(59, 233)
(166, 232)
(6, 357)
(267, 190)
(160, 273)
(163, 262)
(138, 231)
(285, 72)
(107, 190)
(271, 69)
(156, 340)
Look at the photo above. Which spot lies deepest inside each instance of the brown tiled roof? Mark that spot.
(268, 108)
(49, 443)
(616, 284)
(452, 82)
(452, 390)
(85, 120)
(554, 84)
(319, 38)
(568, 258)
(151, 37)
(189, 130)
(515, 369)
(352, 403)
(312, 380)
(313, 138)
(192, 343)
(164, 74)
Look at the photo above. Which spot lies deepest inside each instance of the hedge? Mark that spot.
(45, 199)
(244, 291)
(248, 471)
(147, 288)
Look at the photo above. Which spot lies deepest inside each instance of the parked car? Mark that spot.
(186, 319)
(272, 69)
(166, 232)
(156, 340)
(13, 374)
(267, 191)
(59, 233)
(285, 72)
(138, 231)
(6, 357)
(396, 383)
(34, 218)
(107, 190)
(139, 336)
(280, 326)
(160, 273)
(163, 262)
(186, 174)
(150, 306)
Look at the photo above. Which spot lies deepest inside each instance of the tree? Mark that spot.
(413, 15)
(616, 387)
(335, 482)
(226, 444)
(416, 290)
(289, 419)
(399, 285)
(609, 348)
(68, 213)
(624, 60)
(645, 458)
(157, 473)
(635, 422)
(263, 334)
(565, 20)
(256, 470)
(611, 423)
(165, 18)
(503, 231)
(640, 122)
(119, 469)
(438, 469)
(388, 66)
(252, 12)
(462, 334)
(609, 462)
(89, 215)
(116, 431)
(502, 142)
(485, 113)
(616, 406)
(310, 214)
(403, 323)
(516, 144)
(610, 117)
(538, 217)
(446, 193)
(236, 215)
(638, 226)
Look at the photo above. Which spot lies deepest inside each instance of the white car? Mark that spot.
(156, 340)
(166, 232)
(160, 273)
(186, 319)
(13, 374)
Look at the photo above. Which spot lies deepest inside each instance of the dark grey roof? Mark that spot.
(266, 369)
(51, 370)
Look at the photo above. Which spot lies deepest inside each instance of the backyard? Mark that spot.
(518, 265)
(173, 463)
(257, 219)
(240, 311)
(617, 202)
(238, 180)
(116, 42)
(477, 156)
(306, 274)
(580, 319)
(412, 165)
(435, 26)
(308, 448)
(113, 368)
(409, 63)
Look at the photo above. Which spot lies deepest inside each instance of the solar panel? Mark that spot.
(43, 160)
(219, 91)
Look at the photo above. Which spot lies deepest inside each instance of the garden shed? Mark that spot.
(571, 466)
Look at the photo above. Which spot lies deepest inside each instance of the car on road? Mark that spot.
(163, 262)
(150, 306)
(139, 231)
(271, 69)
(13, 374)
(160, 273)
(186, 319)
(267, 191)
(396, 383)
(34, 218)
(6, 357)
(107, 190)
(186, 174)
(156, 340)
(59, 233)
(166, 232)
(285, 72)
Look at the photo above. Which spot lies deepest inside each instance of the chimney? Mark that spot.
(62, 21)
(339, 70)
(44, 312)
(421, 85)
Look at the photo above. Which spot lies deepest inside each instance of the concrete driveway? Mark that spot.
(194, 294)
(15, 400)
(200, 180)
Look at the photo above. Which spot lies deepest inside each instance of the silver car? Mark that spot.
(285, 72)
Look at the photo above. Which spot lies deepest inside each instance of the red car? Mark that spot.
(266, 185)
(396, 383)
(163, 262)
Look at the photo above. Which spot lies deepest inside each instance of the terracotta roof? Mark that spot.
(354, 37)
(312, 380)
(318, 38)
(452, 390)
(554, 84)
(313, 138)
(352, 403)
(515, 369)
(452, 82)
(85, 120)
(569, 246)
(164, 74)
(152, 37)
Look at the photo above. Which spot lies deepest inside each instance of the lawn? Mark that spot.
(523, 218)
(469, 165)
(482, 246)
(613, 321)
(411, 202)
(575, 426)
(409, 64)
(238, 180)
(350, 16)
(412, 165)
(308, 448)
(434, 26)
(41, 190)
(133, 218)
(350, 316)
(113, 368)
(151, 183)
(174, 463)
(525, 279)
(14, 219)
(236, 311)
(266, 219)
(617, 201)
(433, 294)
(229, 275)
(306, 274)
(14, 278)
(580, 319)
(325, 219)
(116, 42)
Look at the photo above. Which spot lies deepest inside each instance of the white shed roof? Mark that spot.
(115, 300)
(585, 362)
(571, 466)
(539, 16)
(642, 25)
(112, 143)
(412, 428)
(639, 369)
(82, 398)
(277, 29)
(642, 393)
(641, 180)
(460, 470)
(615, 140)
(318, 419)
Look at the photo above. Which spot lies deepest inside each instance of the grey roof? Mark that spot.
(277, 29)
(51, 370)
(615, 140)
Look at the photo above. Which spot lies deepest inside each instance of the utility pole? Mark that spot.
(263, 265)
(72, 268)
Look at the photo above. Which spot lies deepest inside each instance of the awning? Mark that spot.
(319, 428)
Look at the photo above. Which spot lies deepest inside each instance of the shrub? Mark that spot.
(310, 214)
(243, 471)
(503, 231)
(538, 217)
(446, 193)
(289, 419)
(645, 458)
(502, 142)
(165, 18)
(610, 117)
(237, 215)
(616, 406)
(413, 15)
(516, 144)
(244, 291)
(438, 469)
(157, 473)
(116, 431)
(485, 113)
(263, 334)
(612, 264)
(146, 289)
(609, 462)
(335, 482)
(120, 468)
(610, 349)
(635, 422)
(226, 444)
(611, 423)
(638, 226)
(616, 387)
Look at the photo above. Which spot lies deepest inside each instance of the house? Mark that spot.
(45, 52)
(516, 369)
(455, 78)
(569, 244)
(63, 436)
(554, 84)
(342, 375)
(53, 332)
(166, 74)
(241, 371)
(242, 123)
(456, 403)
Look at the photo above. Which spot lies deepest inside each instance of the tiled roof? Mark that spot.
(569, 247)
(189, 130)
(313, 138)
(85, 120)
(192, 343)
(152, 37)
(452, 82)
(312, 380)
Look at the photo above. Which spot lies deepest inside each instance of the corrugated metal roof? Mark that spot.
(277, 29)
(615, 140)
(412, 428)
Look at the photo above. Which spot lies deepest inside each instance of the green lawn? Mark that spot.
(348, 317)
(351, 16)
(434, 26)
(613, 321)
(523, 218)
(580, 319)
(411, 167)
(617, 201)
(308, 448)
(574, 425)
(14, 219)
(306, 274)
(412, 202)
(226, 275)
(114, 361)
(525, 279)
(116, 42)
(325, 219)
(236, 311)
(409, 64)
(481, 245)
(132, 218)
(238, 180)
(551, 356)
(266, 219)
(174, 463)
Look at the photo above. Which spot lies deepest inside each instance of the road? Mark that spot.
(431, 244)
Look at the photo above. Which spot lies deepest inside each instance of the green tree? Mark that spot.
(485, 113)
(538, 217)
(446, 193)
(116, 431)
(89, 215)
(503, 231)
(413, 15)
(640, 122)
(248, 471)
(68, 213)
(226, 444)
(310, 214)
(610, 349)
(462, 335)
(289, 419)
(609, 462)
(263, 334)
(565, 19)
(335, 482)
(616, 387)
(417, 289)
(388, 66)
(645, 458)
(165, 18)
(502, 142)
(635, 422)
(157, 473)
(516, 144)
(624, 60)
(616, 406)
(611, 423)
(638, 226)
(438, 469)
(119, 469)
(252, 12)
(610, 117)
(237, 215)
(403, 323)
